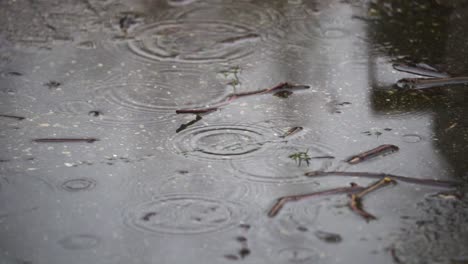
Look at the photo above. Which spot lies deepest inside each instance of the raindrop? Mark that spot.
(298, 255)
(80, 242)
(193, 41)
(276, 164)
(220, 142)
(184, 214)
(81, 184)
(412, 138)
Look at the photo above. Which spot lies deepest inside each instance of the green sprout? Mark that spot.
(299, 157)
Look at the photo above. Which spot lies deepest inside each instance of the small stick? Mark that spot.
(429, 182)
(234, 96)
(356, 199)
(12, 117)
(292, 198)
(425, 83)
(184, 126)
(65, 140)
(380, 150)
(420, 70)
(291, 131)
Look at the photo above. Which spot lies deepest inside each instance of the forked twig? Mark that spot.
(354, 188)
(356, 199)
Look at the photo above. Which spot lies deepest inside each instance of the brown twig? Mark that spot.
(356, 199)
(291, 131)
(354, 188)
(228, 99)
(429, 182)
(65, 140)
(186, 125)
(380, 150)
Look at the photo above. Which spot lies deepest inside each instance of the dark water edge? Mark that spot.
(97, 167)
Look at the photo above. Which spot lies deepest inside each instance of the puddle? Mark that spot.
(159, 180)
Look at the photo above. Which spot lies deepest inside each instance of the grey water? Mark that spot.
(96, 166)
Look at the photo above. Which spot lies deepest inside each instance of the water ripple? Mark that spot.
(76, 185)
(194, 41)
(184, 214)
(221, 142)
(275, 165)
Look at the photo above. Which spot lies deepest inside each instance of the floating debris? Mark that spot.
(65, 140)
(52, 84)
(420, 69)
(283, 94)
(356, 199)
(380, 150)
(354, 188)
(230, 98)
(299, 157)
(428, 182)
(328, 237)
(291, 131)
(94, 113)
(426, 83)
(12, 117)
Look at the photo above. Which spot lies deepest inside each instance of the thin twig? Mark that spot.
(380, 150)
(420, 69)
(425, 83)
(228, 99)
(429, 182)
(12, 117)
(354, 188)
(65, 140)
(186, 125)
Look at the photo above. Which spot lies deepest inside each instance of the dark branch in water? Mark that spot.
(420, 69)
(184, 126)
(354, 188)
(280, 87)
(380, 150)
(428, 182)
(12, 117)
(65, 140)
(356, 199)
(426, 83)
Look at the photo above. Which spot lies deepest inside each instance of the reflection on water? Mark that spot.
(159, 183)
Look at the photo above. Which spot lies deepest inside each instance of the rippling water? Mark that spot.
(158, 186)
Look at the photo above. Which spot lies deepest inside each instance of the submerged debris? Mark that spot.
(328, 237)
(52, 84)
(65, 140)
(380, 150)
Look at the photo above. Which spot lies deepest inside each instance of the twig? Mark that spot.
(184, 126)
(420, 69)
(425, 83)
(228, 99)
(12, 117)
(429, 182)
(356, 199)
(291, 131)
(380, 150)
(354, 188)
(65, 140)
